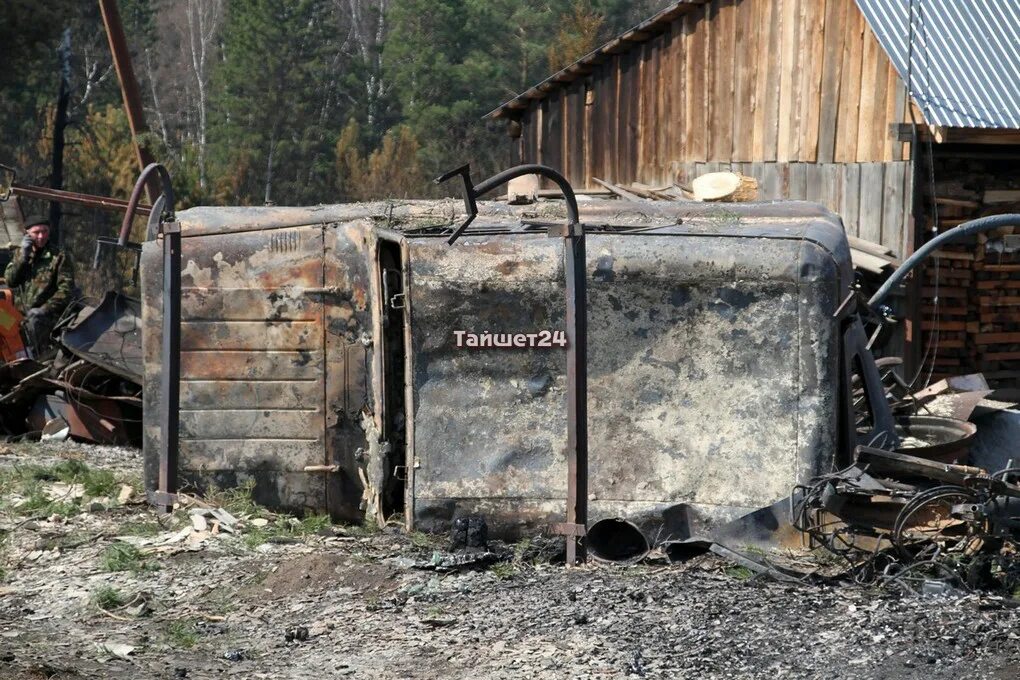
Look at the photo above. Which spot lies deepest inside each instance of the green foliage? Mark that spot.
(107, 597)
(577, 36)
(283, 81)
(503, 570)
(391, 171)
(31, 481)
(145, 528)
(739, 573)
(272, 141)
(285, 526)
(239, 500)
(420, 539)
(124, 557)
(182, 633)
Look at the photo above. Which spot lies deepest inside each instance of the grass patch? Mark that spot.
(124, 557)
(100, 483)
(285, 526)
(503, 570)
(28, 481)
(365, 529)
(521, 549)
(420, 539)
(182, 633)
(36, 502)
(144, 528)
(313, 524)
(107, 597)
(739, 573)
(255, 537)
(237, 501)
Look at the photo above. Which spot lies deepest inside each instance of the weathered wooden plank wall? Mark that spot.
(872, 198)
(729, 81)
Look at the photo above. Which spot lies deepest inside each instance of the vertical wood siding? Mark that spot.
(731, 81)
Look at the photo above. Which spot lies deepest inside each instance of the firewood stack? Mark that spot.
(978, 287)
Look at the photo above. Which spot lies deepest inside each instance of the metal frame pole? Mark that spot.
(128, 87)
(575, 526)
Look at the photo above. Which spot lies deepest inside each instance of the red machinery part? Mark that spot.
(12, 347)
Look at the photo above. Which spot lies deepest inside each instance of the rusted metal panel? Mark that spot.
(276, 335)
(712, 353)
(245, 317)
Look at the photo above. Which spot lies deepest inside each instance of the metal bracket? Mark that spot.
(568, 529)
(470, 197)
(391, 300)
(575, 290)
(322, 468)
(162, 500)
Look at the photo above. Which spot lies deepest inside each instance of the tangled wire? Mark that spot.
(943, 537)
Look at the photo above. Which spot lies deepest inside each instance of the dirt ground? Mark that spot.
(105, 589)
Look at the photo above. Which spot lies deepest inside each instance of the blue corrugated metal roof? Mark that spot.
(964, 57)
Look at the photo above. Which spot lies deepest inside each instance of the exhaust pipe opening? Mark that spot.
(616, 540)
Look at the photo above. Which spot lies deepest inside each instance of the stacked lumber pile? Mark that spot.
(997, 298)
(978, 287)
(950, 277)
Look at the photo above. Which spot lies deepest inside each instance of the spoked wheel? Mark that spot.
(926, 529)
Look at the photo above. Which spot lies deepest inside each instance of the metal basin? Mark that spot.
(945, 440)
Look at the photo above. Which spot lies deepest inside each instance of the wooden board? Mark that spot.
(720, 64)
(745, 70)
(851, 198)
(872, 100)
(811, 62)
(893, 200)
(996, 338)
(766, 88)
(850, 84)
(872, 192)
(696, 102)
(832, 62)
(789, 96)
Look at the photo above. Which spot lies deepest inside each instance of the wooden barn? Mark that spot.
(809, 98)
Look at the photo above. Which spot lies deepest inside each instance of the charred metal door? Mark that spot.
(349, 339)
(252, 364)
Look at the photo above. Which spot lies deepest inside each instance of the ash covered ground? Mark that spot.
(94, 584)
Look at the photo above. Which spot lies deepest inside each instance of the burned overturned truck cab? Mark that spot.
(348, 360)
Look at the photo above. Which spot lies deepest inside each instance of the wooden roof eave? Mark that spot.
(643, 32)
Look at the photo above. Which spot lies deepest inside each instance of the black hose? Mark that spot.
(966, 229)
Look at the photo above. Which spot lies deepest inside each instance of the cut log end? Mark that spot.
(725, 186)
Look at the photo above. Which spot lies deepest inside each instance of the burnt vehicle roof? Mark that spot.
(430, 222)
(424, 218)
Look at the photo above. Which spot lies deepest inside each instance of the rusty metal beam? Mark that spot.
(61, 196)
(128, 87)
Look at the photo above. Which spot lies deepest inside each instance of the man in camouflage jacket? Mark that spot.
(43, 282)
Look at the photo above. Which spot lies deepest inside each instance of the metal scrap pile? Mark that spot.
(91, 390)
(917, 524)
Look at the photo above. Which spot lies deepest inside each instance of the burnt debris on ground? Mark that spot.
(125, 592)
(88, 387)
